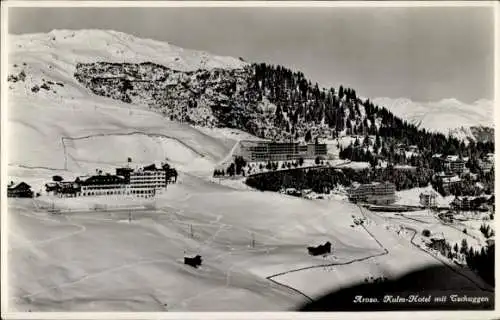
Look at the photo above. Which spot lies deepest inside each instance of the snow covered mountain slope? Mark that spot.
(87, 46)
(445, 116)
(49, 109)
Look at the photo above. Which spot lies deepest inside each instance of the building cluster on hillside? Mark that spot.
(141, 182)
(451, 164)
(452, 172)
(487, 162)
(454, 164)
(473, 203)
(281, 151)
(374, 193)
(428, 199)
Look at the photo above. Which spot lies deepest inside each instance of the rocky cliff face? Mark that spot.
(212, 98)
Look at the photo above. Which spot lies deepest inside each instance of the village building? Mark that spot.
(470, 203)
(374, 193)
(447, 216)
(487, 162)
(101, 185)
(428, 199)
(437, 242)
(51, 187)
(147, 181)
(404, 167)
(400, 148)
(413, 149)
(68, 188)
(453, 163)
(448, 180)
(479, 188)
(485, 166)
(19, 190)
(469, 176)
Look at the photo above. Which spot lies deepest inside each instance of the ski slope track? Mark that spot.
(253, 244)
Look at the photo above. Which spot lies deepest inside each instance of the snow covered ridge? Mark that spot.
(460, 119)
(112, 46)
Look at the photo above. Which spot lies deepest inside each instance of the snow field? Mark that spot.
(115, 257)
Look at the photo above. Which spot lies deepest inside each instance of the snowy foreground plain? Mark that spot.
(101, 261)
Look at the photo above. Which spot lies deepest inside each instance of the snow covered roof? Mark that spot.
(428, 193)
(405, 167)
(153, 166)
(441, 174)
(438, 236)
(451, 179)
(452, 158)
(17, 185)
(468, 198)
(83, 178)
(51, 184)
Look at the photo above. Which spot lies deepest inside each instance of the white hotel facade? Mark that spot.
(146, 182)
(140, 183)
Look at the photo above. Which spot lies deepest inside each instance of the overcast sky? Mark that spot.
(424, 54)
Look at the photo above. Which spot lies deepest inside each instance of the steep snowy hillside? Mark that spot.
(86, 46)
(56, 123)
(447, 115)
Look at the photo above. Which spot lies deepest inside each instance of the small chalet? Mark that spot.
(446, 216)
(413, 149)
(437, 242)
(51, 187)
(19, 190)
(428, 199)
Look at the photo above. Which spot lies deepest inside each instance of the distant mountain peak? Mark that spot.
(445, 115)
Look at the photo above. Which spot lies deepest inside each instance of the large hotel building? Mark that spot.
(280, 151)
(143, 182)
(375, 193)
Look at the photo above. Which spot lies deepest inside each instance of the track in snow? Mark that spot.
(152, 135)
(446, 264)
(384, 252)
(415, 232)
